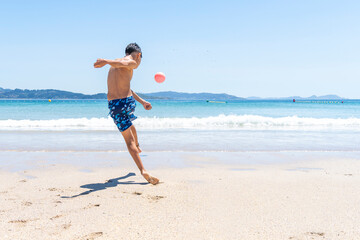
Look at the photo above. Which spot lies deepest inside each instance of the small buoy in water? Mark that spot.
(294, 100)
(49, 100)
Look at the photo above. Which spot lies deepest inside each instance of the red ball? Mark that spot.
(159, 77)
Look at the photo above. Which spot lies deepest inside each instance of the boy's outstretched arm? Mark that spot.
(117, 63)
(145, 104)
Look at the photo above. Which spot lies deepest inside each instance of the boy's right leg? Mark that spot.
(133, 150)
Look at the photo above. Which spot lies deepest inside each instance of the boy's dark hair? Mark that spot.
(132, 47)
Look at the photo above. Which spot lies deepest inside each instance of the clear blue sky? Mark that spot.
(246, 48)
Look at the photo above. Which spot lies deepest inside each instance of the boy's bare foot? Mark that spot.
(138, 147)
(149, 178)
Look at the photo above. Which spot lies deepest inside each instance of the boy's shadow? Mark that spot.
(102, 186)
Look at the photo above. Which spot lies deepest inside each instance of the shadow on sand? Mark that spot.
(102, 186)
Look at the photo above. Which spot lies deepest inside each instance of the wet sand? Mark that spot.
(204, 197)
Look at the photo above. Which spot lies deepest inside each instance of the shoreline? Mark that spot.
(183, 141)
(19, 160)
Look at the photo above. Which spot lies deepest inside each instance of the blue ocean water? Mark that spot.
(272, 125)
(59, 109)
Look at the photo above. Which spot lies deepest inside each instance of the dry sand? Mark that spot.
(302, 200)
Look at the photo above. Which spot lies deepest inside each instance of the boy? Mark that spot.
(122, 100)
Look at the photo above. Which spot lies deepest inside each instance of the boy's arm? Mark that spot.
(117, 63)
(137, 98)
(145, 104)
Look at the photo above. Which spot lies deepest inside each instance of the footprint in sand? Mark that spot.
(313, 235)
(316, 233)
(156, 198)
(27, 203)
(91, 205)
(137, 193)
(18, 221)
(22, 222)
(92, 236)
(66, 226)
(57, 216)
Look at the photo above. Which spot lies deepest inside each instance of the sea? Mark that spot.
(183, 126)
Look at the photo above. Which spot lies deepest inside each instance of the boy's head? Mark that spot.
(134, 50)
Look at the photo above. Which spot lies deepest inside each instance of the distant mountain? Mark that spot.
(325, 97)
(47, 94)
(194, 96)
(2, 90)
(313, 97)
(58, 94)
(52, 94)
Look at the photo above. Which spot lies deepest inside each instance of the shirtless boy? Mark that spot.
(122, 100)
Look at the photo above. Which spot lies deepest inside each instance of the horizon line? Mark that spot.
(291, 96)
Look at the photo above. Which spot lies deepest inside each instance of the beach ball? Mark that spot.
(159, 77)
(49, 100)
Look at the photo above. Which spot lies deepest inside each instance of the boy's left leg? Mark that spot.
(133, 130)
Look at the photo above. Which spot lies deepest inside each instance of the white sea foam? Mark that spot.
(221, 122)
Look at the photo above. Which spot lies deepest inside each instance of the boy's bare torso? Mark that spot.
(119, 83)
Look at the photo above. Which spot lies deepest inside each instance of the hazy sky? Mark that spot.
(246, 48)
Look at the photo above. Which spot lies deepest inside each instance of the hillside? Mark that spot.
(194, 96)
(59, 94)
(51, 94)
(171, 95)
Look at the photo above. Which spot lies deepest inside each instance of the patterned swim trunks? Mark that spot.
(122, 111)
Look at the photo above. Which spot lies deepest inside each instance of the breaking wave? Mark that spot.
(221, 122)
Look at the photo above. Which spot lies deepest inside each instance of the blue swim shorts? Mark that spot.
(122, 111)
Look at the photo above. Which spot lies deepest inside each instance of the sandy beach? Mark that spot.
(201, 199)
